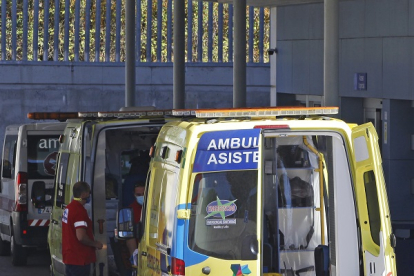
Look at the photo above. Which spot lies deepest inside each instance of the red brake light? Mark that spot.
(22, 178)
(177, 267)
(21, 192)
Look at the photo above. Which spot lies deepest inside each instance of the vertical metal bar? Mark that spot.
(56, 34)
(129, 53)
(46, 30)
(97, 31)
(159, 29)
(66, 43)
(230, 33)
(331, 53)
(169, 30)
(3, 20)
(118, 31)
(14, 28)
(138, 38)
(108, 31)
(210, 32)
(200, 32)
(77, 31)
(273, 58)
(86, 54)
(3, 29)
(251, 33)
(261, 34)
(190, 31)
(25, 29)
(35, 29)
(220, 33)
(179, 55)
(239, 65)
(149, 30)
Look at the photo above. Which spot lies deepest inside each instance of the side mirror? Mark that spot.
(322, 260)
(125, 223)
(38, 194)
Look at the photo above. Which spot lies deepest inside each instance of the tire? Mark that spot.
(4, 248)
(18, 253)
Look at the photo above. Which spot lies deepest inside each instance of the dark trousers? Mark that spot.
(77, 270)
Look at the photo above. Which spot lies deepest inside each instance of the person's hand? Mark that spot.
(98, 245)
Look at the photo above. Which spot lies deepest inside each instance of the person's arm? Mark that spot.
(84, 239)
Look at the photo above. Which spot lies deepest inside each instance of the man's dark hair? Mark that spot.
(139, 184)
(79, 188)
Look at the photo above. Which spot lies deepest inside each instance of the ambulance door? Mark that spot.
(372, 203)
(225, 216)
(98, 193)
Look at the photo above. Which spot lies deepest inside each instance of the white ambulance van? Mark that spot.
(26, 188)
(264, 191)
(100, 149)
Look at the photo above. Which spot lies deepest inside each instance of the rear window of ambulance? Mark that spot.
(41, 156)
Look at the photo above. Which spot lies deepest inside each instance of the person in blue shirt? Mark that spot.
(137, 174)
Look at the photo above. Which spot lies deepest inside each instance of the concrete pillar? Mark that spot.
(331, 53)
(179, 55)
(273, 56)
(239, 60)
(130, 53)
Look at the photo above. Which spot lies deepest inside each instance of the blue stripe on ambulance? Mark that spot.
(180, 243)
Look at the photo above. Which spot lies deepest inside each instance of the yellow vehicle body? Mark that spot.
(231, 194)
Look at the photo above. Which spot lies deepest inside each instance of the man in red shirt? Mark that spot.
(78, 244)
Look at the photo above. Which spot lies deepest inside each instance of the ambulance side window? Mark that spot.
(373, 205)
(144, 207)
(9, 156)
(61, 178)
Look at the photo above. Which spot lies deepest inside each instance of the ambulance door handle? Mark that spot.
(206, 270)
(54, 221)
(143, 253)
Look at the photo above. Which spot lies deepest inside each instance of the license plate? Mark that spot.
(47, 209)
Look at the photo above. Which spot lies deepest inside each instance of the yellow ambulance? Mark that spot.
(264, 191)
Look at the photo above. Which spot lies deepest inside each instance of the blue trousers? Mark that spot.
(77, 270)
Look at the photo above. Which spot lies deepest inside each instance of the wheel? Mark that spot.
(18, 253)
(4, 247)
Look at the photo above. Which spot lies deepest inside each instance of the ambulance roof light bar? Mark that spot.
(135, 114)
(86, 114)
(257, 112)
(52, 115)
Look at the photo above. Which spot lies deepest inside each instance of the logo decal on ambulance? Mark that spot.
(49, 163)
(220, 209)
(240, 270)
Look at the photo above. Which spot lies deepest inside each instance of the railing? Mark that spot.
(72, 33)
